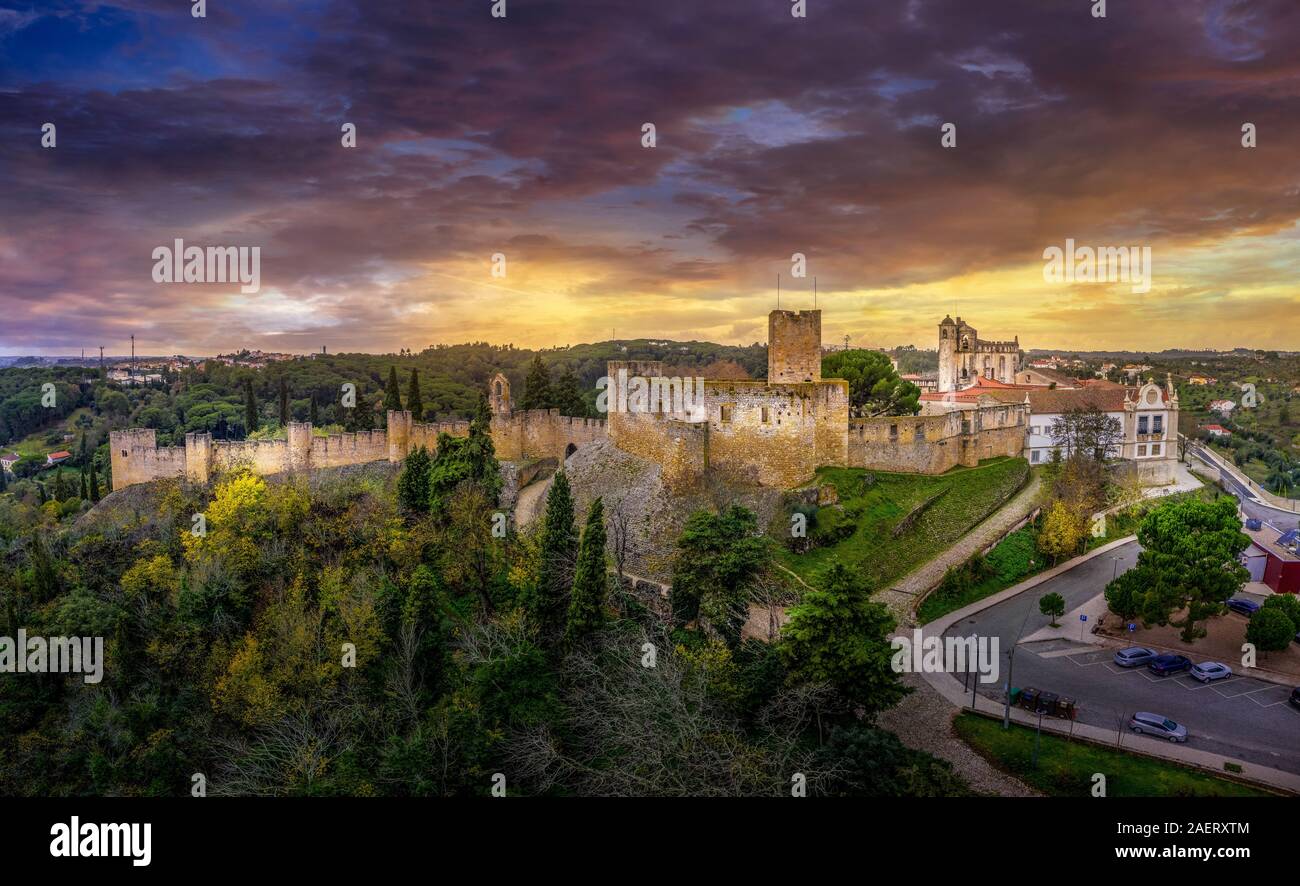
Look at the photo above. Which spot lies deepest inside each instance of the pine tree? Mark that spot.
(413, 401)
(94, 484)
(590, 580)
(284, 403)
(250, 408)
(392, 396)
(559, 548)
(537, 386)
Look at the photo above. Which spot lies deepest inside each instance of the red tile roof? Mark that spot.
(60, 455)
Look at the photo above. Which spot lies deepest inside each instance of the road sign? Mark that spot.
(1132, 627)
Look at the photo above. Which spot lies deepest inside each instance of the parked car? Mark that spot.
(1134, 656)
(1295, 696)
(1145, 723)
(1245, 607)
(1208, 671)
(1167, 664)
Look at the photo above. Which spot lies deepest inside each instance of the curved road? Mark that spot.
(1241, 717)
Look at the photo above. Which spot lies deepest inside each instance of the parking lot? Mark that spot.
(1248, 689)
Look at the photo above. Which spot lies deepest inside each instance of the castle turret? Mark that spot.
(399, 434)
(299, 439)
(947, 355)
(198, 457)
(794, 347)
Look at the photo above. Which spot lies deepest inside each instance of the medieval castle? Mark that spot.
(775, 432)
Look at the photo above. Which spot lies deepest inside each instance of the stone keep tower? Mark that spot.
(948, 363)
(794, 347)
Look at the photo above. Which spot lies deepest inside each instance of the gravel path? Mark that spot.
(923, 722)
(903, 596)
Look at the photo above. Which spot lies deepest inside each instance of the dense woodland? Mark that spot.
(365, 632)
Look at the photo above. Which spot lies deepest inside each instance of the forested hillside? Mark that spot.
(365, 632)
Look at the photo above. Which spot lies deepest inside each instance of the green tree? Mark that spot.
(251, 423)
(392, 395)
(718, 557)
(1270, 630)
(311, 411)
(413, 484)
(413, 401)
(94, 484)
(567, 395)
(1052, 605)
(537, 386)
(1289, 604)
(84, 492)
(45, 581)
(590, 579)
(459, 459)
(874, 385)
(1188, 564)
(838, 636)
(1124, 596)
(284, 403)
(558, 556)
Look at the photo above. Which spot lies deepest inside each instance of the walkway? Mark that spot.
(903, 597)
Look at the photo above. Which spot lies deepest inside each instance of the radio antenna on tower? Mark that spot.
(778, 291)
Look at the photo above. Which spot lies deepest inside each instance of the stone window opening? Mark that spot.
(766, 419)
(124, 453)
(893, 432)
(724, 413)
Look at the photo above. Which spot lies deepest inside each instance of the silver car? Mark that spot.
(1134, 656)
(1207, 671)
(1145, 723)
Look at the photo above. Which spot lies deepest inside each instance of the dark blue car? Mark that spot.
(1245, 607)
(1167, 664)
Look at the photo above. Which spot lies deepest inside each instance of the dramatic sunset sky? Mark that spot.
(522, 136)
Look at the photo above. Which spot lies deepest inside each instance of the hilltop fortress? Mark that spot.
(773, 432)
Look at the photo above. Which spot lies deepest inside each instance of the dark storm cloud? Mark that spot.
(776, 135)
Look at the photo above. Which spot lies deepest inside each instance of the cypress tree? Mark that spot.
(250, 408)
(94, 484)
(85, 490)
(392, 396)
(567, 395)
(559, 548)
(41, 492)
(311, 412)
(60, 490)
(413, 485)
(284, 403)
(4, 479)
(413, 401)
(537, 386)
(590, 581)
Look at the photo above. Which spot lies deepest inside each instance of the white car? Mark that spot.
(1209, 671)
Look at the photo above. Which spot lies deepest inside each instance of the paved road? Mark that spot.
(1251, 502)
(1242, 717)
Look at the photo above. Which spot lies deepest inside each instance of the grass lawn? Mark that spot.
(873, 503)
(1065, 768)
(1013, 560)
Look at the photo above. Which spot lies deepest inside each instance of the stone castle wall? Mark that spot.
(932, 444)
(773, 433)
(136, 457)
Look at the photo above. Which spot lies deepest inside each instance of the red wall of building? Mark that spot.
(1282, 576)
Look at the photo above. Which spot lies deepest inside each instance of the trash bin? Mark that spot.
(1047, 703)
(1029, 698)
